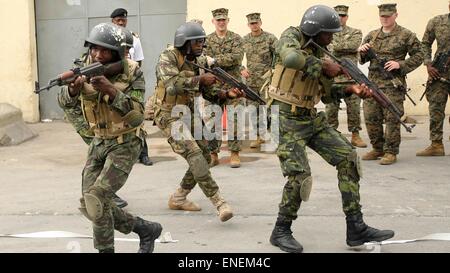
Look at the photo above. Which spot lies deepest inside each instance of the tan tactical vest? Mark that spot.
(163, 99)
(288, 86)
(103, 120)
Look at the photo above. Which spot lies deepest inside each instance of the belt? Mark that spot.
(299, 111)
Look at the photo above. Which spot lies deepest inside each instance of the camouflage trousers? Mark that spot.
(106, 171)
(353, 114)
(195, 152)
(374, 115)
(234, 144)
(437, 96)
(298, 132)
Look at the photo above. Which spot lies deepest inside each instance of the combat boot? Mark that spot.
(108, 250)
(388, 159)
(223, 209)
(119, 201)
(357, 140)
(359, 232)
(148, 232)
(435, 149)
(235, 161)
(178, 201)
(282, 237)
(256, 143)
(373, 155)
(214, 160)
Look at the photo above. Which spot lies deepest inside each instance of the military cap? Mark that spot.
(119, 12)
(341, 10)
(198, 21)
(387, 9)
(254, 17)
(220, 13)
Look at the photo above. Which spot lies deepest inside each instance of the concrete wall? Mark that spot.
(18, 57)
(278, 15)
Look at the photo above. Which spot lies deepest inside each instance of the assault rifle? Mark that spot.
(92, 70)
(440, 63)
(360, 78)
(224, 77)
(387, 75)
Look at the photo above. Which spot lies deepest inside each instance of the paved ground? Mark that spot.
(40, 182)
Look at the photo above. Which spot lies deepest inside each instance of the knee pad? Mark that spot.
(351, 166)
(305, 188)
(95, 203)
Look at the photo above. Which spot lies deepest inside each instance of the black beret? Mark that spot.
(119, 12)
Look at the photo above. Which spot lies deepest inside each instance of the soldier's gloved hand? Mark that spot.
(235, 93)
(102, 84)
(331, 69)
(391, 65)
(361, 90)
(207, 79)
(75, 86)
(433, 73)
(364, 48)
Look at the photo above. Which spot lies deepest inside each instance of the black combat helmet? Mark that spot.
(188, 31)
(320, 18)
(108, 35)
(128, 38)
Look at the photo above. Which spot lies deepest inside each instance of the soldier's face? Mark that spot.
(120, 21)
(388, 21)
(255, 26)
(197, 47)
(324, 38)
(101, 54)
(343, 19)
(221, 24)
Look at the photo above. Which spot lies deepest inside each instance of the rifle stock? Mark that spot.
(360, 78)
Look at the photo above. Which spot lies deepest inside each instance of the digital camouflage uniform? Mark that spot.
(390, 46)
(228, 53)
(438, 29)
(302, 127)
(259, 51)
(175, 73)
(110, 160)
(345, 45)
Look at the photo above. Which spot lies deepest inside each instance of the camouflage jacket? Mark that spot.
(259, 51)
(438, 29)
(294, 38)
(345, 43)
(393, 46)
(228, 51)
(122, 102)
(183, 78)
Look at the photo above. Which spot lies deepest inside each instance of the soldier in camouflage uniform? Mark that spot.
(113, 108)
(345, 45)
(300, 80)
(179, 82)
(390, 42)
(74, 114)
(226, 48)
(259, 47)
(438, 29)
